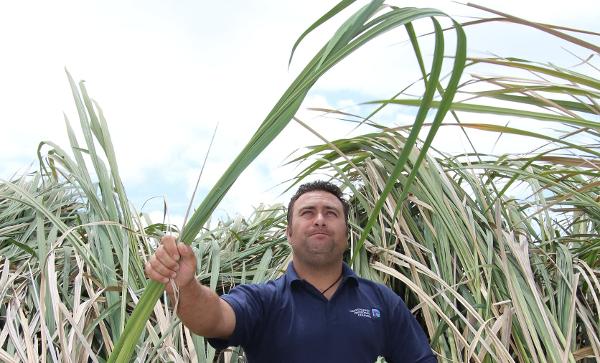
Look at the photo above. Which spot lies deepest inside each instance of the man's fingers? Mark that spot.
(170, 245)
(166, 258)
(153, 274)
(160, 268)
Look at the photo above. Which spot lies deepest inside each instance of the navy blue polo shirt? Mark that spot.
(289, 320)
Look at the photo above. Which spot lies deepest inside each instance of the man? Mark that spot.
(319, 311)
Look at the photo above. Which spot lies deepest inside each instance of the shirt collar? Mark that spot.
(347, 274)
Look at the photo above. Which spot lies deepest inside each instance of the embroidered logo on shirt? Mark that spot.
(366, 313)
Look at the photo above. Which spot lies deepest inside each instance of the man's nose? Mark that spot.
(320, 219)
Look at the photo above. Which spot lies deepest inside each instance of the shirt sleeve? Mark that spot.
(248, 304)
(407, 341)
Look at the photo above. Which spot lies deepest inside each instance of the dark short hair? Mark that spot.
(318, 186)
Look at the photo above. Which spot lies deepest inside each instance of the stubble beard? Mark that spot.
(318, 256)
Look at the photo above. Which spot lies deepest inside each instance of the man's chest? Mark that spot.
(348, 328)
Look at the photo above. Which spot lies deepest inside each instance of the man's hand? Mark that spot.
(176, 262)
(172, 261)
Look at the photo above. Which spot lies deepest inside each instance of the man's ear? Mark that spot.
(288, 231)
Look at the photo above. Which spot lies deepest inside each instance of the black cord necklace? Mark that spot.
(330, 286)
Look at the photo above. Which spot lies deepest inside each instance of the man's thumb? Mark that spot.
(185, 251)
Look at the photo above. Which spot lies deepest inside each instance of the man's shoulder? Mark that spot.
(377, 290)
(373, 285)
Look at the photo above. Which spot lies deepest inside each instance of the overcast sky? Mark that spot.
(166, 72)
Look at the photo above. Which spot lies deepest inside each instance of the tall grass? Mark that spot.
(367, 23)
(497, 255)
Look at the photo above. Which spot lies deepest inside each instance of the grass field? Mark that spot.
(496, 254)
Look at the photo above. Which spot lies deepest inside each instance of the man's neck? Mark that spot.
(321, 277)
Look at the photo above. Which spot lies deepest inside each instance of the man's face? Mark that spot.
(317, 232)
